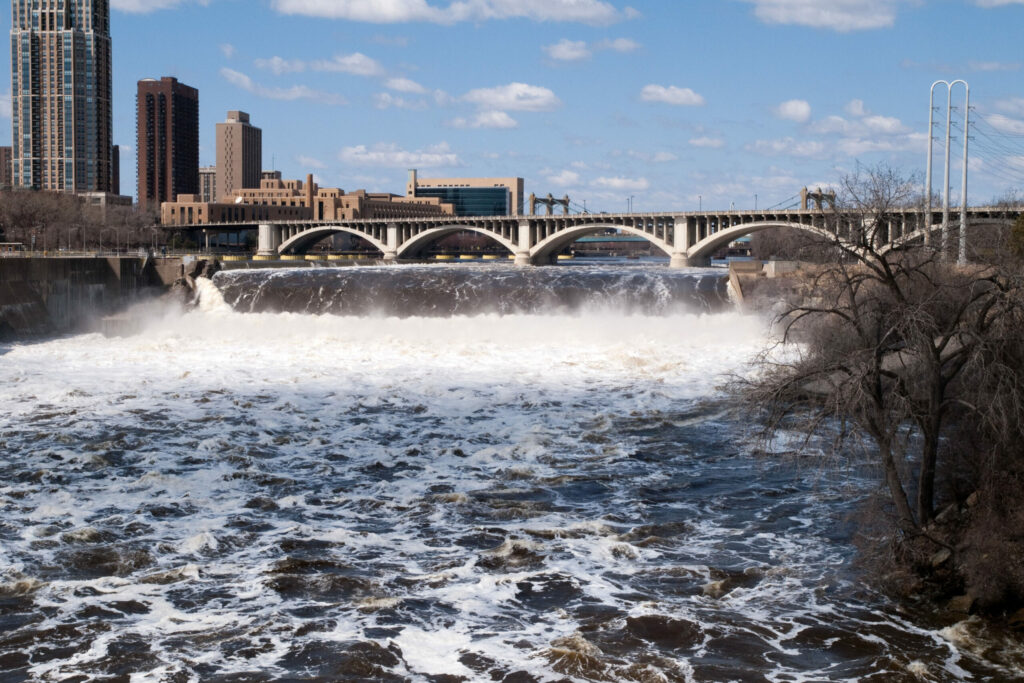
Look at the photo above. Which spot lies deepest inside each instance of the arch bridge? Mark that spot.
(688, 238)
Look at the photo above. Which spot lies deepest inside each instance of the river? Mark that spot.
(433, 473)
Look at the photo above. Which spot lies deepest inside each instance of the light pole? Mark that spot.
(755, 202)
(700, 203)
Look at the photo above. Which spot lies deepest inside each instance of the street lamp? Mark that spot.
(700, 203)
(755, 202)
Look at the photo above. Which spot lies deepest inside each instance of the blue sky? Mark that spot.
(675, 103)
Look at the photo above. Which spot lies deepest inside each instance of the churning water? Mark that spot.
(430, 474)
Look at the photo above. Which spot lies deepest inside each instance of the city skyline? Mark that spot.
(604, 101)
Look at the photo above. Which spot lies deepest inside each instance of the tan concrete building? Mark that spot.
(62, 124)
(239, 154)
(208, 184)
(471, 196)
(285, 200)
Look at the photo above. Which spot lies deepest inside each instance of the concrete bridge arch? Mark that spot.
(412, 246)
(305, 239)
(545, 250)
(705, 248)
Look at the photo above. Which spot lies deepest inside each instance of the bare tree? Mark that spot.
(893, 345)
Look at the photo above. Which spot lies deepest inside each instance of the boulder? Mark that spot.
(962, 604)
(942, 557)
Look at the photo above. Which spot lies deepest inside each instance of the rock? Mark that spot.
(950, 514)
(961, 604)
(942, 557)
(973, 499)
(1016, 621)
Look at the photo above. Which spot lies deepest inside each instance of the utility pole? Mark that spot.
(944, 243)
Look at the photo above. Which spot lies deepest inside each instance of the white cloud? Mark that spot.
(5, 105)
(564, 179)
(147, 6)
(405, 85)
(228, 50)
(855, 147)
(837, 15)
(1005, 124)
(399, 11)
(856, 108)
(997, 3)
(790, 147)
(391, 156)
(1014, 106)
(682, 97)
(656, 158)
(794, 110)
(567, 50)
(356, 64)
(278, 65)
(619, 45)
(832, 125)
(993, 66)
(385, 100)
(707, 142)
(888, 125)
(296, 92)
(622, 184)
(310, 162)
(514, 97)
(487, 119)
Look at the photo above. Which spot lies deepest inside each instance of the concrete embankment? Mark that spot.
(40, 296)
(766, 287)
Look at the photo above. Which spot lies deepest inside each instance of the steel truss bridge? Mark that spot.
(688, 239)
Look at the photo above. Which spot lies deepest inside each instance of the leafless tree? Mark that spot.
(893, 345)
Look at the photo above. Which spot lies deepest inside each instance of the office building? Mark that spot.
(239, 154)
(280, 200)
(167, 126)
(208, 184)
(471, 196)
(61, 95)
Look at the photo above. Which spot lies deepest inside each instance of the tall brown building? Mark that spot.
(239, 154)
(167, 141)
(6, 177)
(115, 169)
(61, 95)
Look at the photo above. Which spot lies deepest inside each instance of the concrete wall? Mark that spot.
(40, 296)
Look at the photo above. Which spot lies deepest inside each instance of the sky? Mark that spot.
(656, 104)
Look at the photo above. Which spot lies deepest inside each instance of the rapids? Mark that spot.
(431, 474)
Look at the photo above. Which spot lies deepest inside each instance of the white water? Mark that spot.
(431, 463)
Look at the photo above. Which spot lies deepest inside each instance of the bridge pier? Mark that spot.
(523, 258)
(684, 261)
(269, 240)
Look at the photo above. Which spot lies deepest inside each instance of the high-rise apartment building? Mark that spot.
(167, 141)
(6, 177)
(61, 95)
(115, 169)
(208, 184)
(239, 154)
